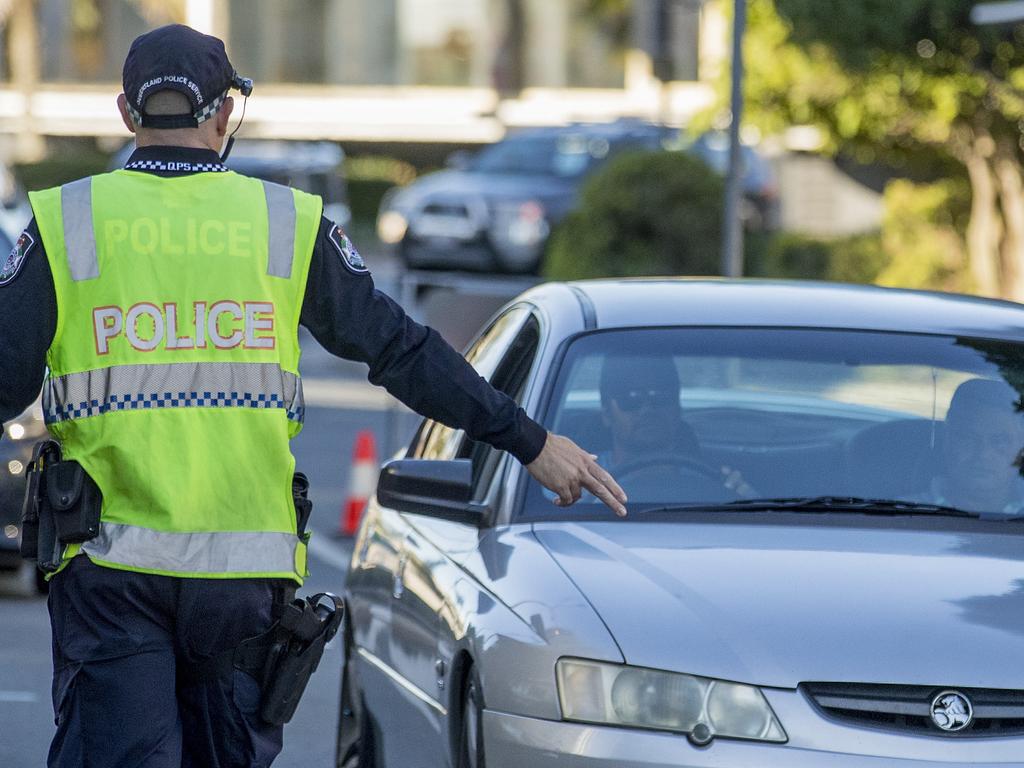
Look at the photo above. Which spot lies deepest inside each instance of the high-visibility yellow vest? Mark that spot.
(173, 374)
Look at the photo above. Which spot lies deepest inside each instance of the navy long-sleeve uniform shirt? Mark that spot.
(341, 308)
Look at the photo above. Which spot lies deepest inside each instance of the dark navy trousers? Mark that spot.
(123, 644)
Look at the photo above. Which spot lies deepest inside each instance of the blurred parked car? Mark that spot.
(20, 435)
(814, 570)
(493, 211)
(316, 167)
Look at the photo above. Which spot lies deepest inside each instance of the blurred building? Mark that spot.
(376, 70)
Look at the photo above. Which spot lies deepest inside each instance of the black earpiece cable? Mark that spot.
(231, 138)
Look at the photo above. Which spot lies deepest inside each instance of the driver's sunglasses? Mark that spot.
(634, 399)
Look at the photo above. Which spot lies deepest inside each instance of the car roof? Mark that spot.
(777, 303)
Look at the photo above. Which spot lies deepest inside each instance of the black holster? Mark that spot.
(297, 644)
(62, 506)
(283, 658)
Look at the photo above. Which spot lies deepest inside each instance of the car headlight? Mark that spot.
(523, 224)
(703, 708)
(16, 431)
(391, 227)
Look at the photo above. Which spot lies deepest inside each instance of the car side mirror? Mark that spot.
(440, 489)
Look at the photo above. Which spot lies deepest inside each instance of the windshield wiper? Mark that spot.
(852, 504)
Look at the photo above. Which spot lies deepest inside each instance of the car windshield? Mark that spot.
(829, 421)
(564, 155)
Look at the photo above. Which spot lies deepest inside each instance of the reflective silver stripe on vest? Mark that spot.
(195, 553)
(79, 240)
(176, 385)
(281, 223)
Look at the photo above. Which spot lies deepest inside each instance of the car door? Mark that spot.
(416, 599)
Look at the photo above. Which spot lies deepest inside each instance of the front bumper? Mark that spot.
(512, 740)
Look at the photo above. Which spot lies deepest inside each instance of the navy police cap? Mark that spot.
(177, 58)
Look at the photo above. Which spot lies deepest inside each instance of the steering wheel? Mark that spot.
(693, 466)
(654, 476)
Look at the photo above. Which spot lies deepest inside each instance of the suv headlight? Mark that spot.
(523, 224)
(703, 708)
(391, 227)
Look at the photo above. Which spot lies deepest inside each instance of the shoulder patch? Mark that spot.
(349, 255)
(16, 259)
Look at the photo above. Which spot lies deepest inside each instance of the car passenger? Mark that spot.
(981, 457)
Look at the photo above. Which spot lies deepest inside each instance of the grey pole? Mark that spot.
(732, 226)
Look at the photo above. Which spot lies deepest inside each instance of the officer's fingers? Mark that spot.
(568, 494)
(605, 494)
(605, 478)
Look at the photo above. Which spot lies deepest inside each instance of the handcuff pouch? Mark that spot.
(75, 501)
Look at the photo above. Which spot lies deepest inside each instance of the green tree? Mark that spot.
(913, 83)
(646, 213)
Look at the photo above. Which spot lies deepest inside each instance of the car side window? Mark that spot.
(435, 440)
(509, 377)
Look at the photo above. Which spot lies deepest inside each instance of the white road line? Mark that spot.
(332, 554)
(19, 697)
(346, 393)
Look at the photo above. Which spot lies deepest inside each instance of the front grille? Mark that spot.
(456, 210)
(907, 708)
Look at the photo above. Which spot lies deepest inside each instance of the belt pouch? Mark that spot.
(76, 502)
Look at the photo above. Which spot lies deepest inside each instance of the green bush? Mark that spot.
(55, 171)
(364, 196)
(648, 213)
(852, 259)
(919, 245)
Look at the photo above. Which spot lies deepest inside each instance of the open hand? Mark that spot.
(566, 469)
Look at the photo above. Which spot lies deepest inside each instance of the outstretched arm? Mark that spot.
(352, 319)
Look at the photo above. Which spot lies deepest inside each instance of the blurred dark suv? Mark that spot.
(494, 211)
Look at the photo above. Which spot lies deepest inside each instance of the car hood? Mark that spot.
(936, 602)
(452, 185)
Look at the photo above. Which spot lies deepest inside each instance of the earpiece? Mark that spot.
(243, 84)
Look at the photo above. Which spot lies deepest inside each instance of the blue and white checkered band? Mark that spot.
(262, 386)
(177, 166)
(204, 114)
(136, 117)
(210, 109)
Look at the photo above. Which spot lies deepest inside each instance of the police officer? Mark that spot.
(165, 300)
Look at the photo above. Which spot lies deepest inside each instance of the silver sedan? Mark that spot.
(823, 562)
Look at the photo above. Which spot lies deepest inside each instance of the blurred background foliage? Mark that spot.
(915, 85)
(909, 85)
(621, 230)
(621, 227)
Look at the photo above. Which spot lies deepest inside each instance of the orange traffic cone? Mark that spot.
(362, 477)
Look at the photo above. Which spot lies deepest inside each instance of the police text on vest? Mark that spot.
(221, 325)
